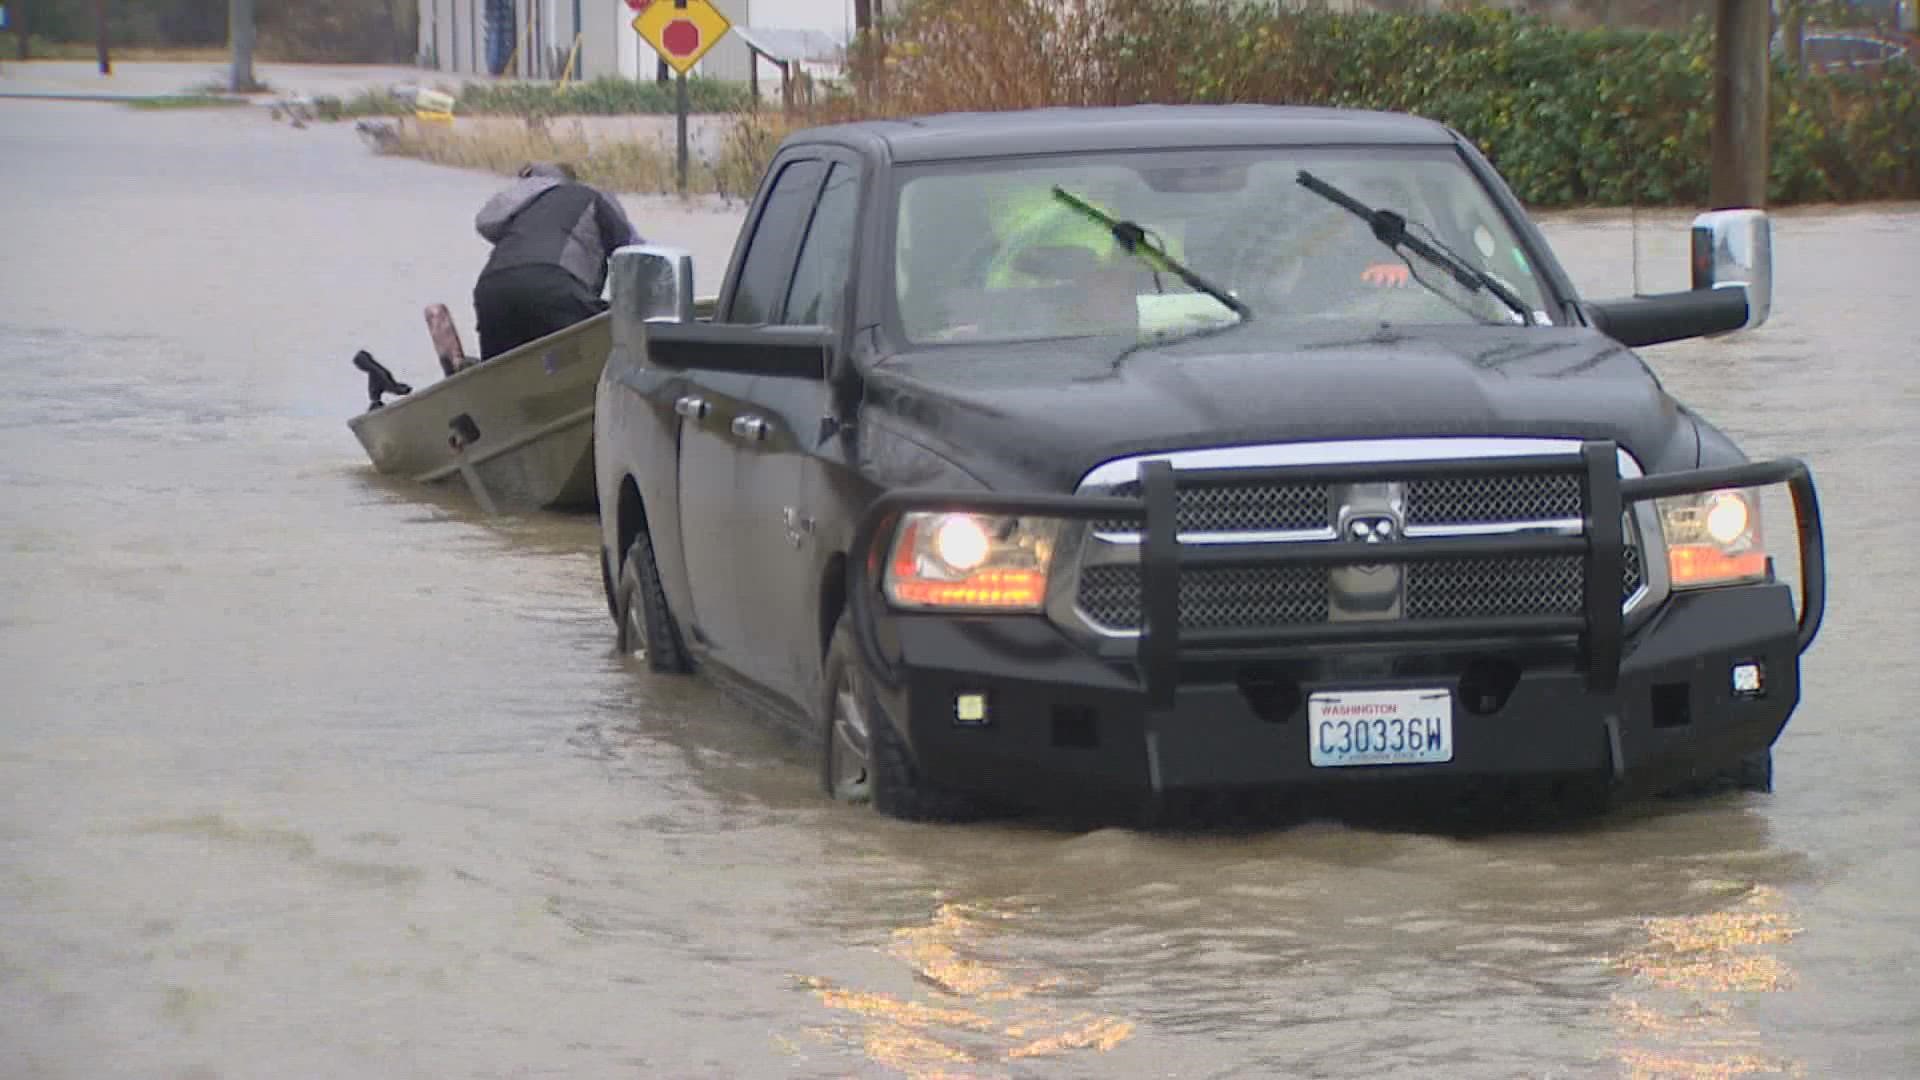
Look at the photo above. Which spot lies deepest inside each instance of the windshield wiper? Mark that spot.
(1391, 229)
(1134, 241)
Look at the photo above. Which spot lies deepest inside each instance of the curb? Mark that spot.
(112, 98)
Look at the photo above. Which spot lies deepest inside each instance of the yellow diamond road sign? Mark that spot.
(681, 31)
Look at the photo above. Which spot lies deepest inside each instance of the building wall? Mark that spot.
(453, 36)
(603, 24)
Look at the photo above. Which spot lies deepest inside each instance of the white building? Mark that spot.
(533, 39)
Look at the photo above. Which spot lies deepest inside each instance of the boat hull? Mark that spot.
(517, 429)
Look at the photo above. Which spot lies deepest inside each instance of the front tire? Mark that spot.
(646, 629)
(864, 759)
(847, 713)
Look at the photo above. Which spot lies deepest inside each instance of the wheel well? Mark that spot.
(833, 597)
(631, 519)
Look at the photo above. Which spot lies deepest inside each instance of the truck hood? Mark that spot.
(1037, 417)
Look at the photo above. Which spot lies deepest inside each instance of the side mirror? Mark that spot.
(1734, 249)
(651, 284)
(1732, 286)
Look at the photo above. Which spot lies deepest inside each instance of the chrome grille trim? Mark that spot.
(1291, 536)
(1555, 526)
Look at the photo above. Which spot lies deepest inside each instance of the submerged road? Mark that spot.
(303, 773)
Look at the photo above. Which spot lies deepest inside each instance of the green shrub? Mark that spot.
(605, 96)
(1570, 116)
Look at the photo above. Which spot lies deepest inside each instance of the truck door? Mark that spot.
(715, 536)
(779, 574)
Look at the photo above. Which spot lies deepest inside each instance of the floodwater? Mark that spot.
(305, 774)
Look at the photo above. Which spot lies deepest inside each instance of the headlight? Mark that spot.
(1713, 538)
(976, 562)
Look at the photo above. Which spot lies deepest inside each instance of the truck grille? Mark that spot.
(1293, 507)
(1109, 593)
(1240, 508)
(1485, 500)
(1468, 588)
(1211, 599)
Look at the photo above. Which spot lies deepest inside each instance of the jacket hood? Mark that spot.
(1038, 416)
(498, 211)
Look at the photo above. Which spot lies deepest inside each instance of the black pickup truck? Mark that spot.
(1090, 458)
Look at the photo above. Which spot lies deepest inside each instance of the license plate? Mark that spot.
(1380, 727)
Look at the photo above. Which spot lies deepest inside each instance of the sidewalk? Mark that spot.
(80, 80)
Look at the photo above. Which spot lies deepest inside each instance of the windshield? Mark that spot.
(989, 251)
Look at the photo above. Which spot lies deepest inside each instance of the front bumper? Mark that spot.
(1532, 698)
(1065, 729)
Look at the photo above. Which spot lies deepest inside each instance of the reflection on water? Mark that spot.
(1679, 1017)
(980, 1015)
(311, 773)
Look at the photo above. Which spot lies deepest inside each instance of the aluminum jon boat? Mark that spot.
(517, 430)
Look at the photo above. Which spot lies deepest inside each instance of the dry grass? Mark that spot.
(503, 150)
(606, 156)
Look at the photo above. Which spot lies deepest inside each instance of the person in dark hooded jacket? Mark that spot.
(551, 236)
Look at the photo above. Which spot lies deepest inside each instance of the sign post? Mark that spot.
(681, 31)
(680, 128)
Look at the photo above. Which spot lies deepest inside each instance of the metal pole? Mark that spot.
(1793, 31)
(26, 28)
(240, 40)
(1739, 146)
(100, 32)
(680, 126)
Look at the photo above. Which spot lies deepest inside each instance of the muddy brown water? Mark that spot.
(305, 774)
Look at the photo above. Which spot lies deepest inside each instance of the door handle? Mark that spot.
(750, 427)
(693, 408)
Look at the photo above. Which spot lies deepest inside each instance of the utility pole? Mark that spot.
(865, 14)
(26, 28)
(100, 34)
(1793, 28)
(1739, 145)
(240, 40)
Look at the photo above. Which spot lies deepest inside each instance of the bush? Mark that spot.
(1570, 116)
(605, 96)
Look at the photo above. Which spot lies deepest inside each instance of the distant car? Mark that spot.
(974, 475)
(1829, 51)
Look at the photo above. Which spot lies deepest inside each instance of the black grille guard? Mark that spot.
(1598, 628)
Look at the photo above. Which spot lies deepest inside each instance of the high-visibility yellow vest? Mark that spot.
(1034, 218)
